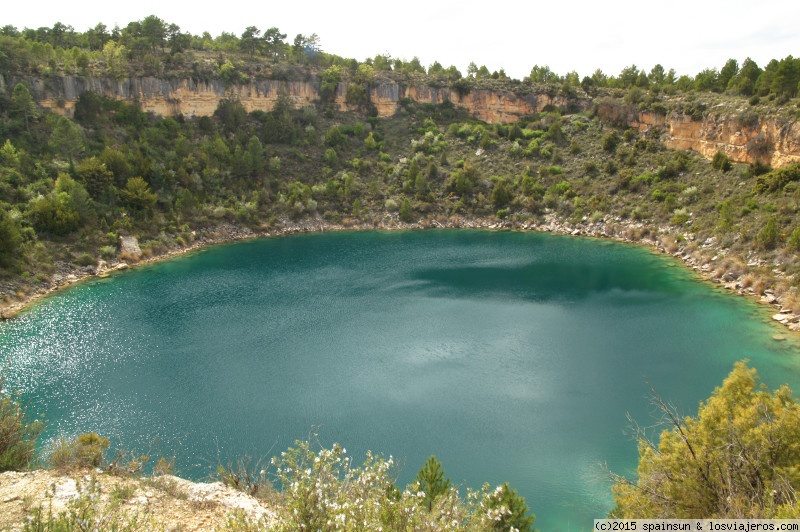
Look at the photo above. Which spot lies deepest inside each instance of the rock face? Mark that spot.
(154, 503)
(192, 97)
(488, 106)
(129, 246)
(769, 140)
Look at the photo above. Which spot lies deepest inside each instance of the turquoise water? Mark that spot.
(511, 356)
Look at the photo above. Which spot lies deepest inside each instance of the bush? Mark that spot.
(334, 137)
(721, 162)
(769, 235)
(85, 260)
(325, 491)
(737, 458)
(85, 512)
(87, 450)
(679, 217)
(356, 94)
(758, 168)
(406, 212)
(794, 240)
(777, 179)
(501, 195)
(18, 434)
(10, 237)
(432, 481)
(610, 141)
(331, 158)
(108, 252)
(247, 477)
(52, 214)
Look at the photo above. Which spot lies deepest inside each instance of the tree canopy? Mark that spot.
(738, 458)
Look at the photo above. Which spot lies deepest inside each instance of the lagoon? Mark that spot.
(513, 357)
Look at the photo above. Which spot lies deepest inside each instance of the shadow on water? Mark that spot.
(541, 281)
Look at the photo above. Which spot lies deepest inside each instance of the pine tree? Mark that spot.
(432, 481)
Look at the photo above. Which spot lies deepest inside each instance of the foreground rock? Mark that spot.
(154, 503)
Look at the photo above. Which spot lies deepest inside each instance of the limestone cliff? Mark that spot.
(486, 105)
(768, 140)
(192, 97)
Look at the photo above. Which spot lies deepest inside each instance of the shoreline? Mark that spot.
(616, 230)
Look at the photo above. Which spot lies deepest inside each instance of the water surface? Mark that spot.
(511, 356)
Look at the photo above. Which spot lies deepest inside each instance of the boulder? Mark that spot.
(129, 245)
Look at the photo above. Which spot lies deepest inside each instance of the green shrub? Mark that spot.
(737, 457)
(325, 490)
(108, 252)
(501, 195)
(53, 215)
(87, 450)
(610, 141)
(793, 242)
(247, 476)
(432, 481)
(562, 188)
(508, 510)
(406, 212)
(769, 235)
(10, 237)
(356, 94)
(777, 179)
(85, 260)
(679, 217)
(721, 162)
(334, 137)
(370, 142)
(331, 158)
(18, 434)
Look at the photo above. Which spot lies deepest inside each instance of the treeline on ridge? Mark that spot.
(152, 47)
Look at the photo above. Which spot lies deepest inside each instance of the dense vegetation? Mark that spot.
(70, 187)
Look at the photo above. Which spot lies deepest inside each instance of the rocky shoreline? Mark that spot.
(701, 257)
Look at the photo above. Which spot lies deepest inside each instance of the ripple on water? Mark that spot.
(512, 357)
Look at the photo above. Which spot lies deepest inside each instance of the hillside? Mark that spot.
(177, 161)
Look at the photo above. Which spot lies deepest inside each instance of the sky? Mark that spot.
(568, 35)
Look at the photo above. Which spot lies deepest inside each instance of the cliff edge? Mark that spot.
(145, 503)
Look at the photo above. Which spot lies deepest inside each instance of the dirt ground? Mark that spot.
(148, 503)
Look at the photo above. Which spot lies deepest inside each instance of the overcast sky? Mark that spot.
(580, 35)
